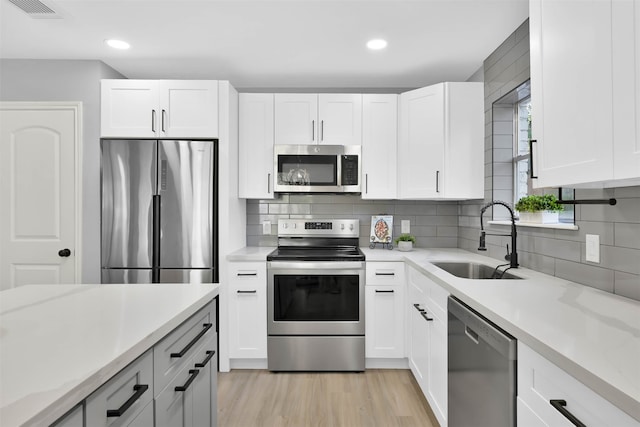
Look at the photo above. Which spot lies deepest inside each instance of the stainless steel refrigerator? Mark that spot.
(159, 209)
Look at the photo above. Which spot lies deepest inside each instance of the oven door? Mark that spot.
(315, 298)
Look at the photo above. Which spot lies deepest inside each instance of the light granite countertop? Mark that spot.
(59, 343)
(591, 334)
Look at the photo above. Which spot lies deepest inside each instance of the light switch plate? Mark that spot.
(405, 226)
(266, 227)
(593, 248)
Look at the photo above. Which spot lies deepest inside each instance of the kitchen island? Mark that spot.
(61, 343)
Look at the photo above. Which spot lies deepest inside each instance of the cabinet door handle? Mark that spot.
(385, 274)
(164, 113)
(153, 121)
(205, 328)
(210, 354)
(417, 307)
(321, 130)
(194, 373)
(247, 292)
(388, 291)
(313, 130)
(531, 175)
(247, 274)
(426, 316)
(139, 391)
(366, 183)
(268, 183)
(437, 181)
(560, 404)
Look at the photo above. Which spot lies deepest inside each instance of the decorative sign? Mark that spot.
(381, 229)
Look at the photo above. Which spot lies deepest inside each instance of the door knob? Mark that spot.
(64, 252)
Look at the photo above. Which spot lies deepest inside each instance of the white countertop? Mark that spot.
(591, 334)
(251, 253)
(59, 343)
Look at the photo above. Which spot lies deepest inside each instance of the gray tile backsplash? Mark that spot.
(434, 224)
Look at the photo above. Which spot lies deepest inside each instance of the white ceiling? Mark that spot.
(271, 44)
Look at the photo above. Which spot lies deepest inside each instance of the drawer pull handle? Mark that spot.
(202, 364)
(426, 316)
(194, 373)
(390, 291)
(247, 274)
(206, 327)
(139, 391)
(385, 274)
(560, 404)
(417, 306)
(247, 292)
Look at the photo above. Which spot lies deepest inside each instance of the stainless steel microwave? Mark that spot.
(317, 168)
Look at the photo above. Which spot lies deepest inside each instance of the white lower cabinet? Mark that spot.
(384, 313)
(428, 340)
(248, 310)
(548, 396)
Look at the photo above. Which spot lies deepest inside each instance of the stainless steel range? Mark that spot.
(315, 297)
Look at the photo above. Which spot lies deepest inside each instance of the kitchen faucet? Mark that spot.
(513, 256)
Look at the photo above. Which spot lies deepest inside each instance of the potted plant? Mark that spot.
(539, 209)
(405, 242)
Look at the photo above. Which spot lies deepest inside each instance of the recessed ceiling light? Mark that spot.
(117, 44)
(376, 44)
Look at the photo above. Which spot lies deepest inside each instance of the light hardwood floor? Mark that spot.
(376, 397)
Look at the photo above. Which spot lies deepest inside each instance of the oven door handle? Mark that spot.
(324, 267)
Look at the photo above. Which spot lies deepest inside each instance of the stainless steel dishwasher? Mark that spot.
(482, 370)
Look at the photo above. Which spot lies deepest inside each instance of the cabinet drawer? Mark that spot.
(124, 396)
(540, 382)
(176, 349)
(384, 273)
(248, 272)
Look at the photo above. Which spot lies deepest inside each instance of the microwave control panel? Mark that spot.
(350, 171)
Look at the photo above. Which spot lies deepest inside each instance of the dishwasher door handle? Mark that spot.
(473, 335)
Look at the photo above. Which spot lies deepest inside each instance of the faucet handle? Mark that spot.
(508, 255)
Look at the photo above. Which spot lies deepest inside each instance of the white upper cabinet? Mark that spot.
(256, 136)
(584, 91)
(334, 119)
(159, 108)
(626, 90)
(379, 146)
(441, 143)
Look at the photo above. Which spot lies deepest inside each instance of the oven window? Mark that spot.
(316, 298)
(307, 170)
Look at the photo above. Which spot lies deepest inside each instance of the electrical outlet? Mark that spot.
(266, 227)
(593, 248)
(405, 226)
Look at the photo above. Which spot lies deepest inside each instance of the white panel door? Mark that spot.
(255, 170)
(38, 192)
(188, 108)
(340, 118)
(129, 108)
(296, 118)
(571, 91)
(421, 143)
(379, 146)
(626, 89)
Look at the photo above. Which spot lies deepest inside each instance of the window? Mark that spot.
(521, 149)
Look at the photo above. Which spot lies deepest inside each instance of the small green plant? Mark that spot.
(534, 203)
(405, 238)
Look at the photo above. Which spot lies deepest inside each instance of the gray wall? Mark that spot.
(434, 224)
(59, 80)
(556, 252)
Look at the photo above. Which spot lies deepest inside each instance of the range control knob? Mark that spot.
(341, 226)
(285, 225)
(351, 227)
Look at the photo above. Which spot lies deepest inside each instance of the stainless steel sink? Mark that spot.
(474, 270)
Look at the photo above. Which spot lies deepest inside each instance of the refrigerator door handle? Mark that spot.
(155, 257)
